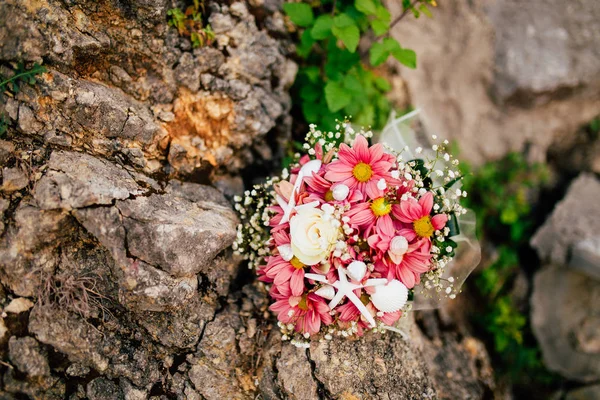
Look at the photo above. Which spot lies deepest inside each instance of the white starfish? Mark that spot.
(346, 289)
(306, 170)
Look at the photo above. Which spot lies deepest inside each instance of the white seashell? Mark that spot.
(285, 250)
(390, 297)
(398, 247)
(340, 192)
(326, 292)
(357, 270)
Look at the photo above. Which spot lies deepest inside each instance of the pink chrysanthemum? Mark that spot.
(418, 214)
(306, 312)
(361, 167)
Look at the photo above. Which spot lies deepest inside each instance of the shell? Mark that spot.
(390, 297)
(285, 250)
(340, 192)
(357, 270)
(326, 292)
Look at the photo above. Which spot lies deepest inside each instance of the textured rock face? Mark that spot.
(115, 269)
(498, 75)
(564, 303)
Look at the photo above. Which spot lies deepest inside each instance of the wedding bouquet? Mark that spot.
(352, 233)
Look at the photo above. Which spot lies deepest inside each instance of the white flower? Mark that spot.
(312, 235)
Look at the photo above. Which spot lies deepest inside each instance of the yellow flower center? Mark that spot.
(381, 207)
(423, 227)
(362, 172)
(303, 303)
(329, 196)
(296, 263)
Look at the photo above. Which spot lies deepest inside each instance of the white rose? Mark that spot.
(313, 236)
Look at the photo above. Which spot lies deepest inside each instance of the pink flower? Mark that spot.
(306, 312)
(418, 215)
(282, 272)
(415, 262)
(373, 214)
(361, 167)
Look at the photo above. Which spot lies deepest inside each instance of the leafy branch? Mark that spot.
(20, 77)
(333, 80)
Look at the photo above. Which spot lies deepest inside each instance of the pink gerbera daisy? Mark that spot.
(306, 312)
(361, 167)
(418, 215)
(373, 214)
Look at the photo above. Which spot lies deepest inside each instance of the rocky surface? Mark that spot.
(564, 302)
(117, 281)
(504, 75)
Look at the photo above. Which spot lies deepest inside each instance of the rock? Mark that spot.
(6, 151)
(564, 315)
(18, 305)
(77, 369)
(78, 180)
(130, 392)
(103, 389)
(585, 256)
(179, 235)
(13, 179)
(575, 219)
(26, 355)
(520, 73)
(585, 393)
(68, 334)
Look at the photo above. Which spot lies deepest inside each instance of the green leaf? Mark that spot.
(353, 85)
(311, 111)
(382, 84)
(322, 27)
(378, 53)
(337, 96)
(310, 93)
(366, 6)
(301, 14)
(306, 43)
(311, 72)
(407, 57)
(380, 27)
(345, 29)
(383, 14)
(343, 20)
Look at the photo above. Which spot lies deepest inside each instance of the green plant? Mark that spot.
(333, 80)
(498, 193)
(11, 85)
(190, 24)
(20, 77)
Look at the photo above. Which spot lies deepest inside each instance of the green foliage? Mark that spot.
(12, 85)
(498, 193)
(20, 77)
(190, 24)
(333, 81)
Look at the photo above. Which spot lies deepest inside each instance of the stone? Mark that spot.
(25, 353)
(130, 392)
(13, 179)
(76, 180)
(591, 392)
(103, 389)
(179, 235)
(564, 315)
(18, 305)
(6, 151)
(585, 256)
(524, 78)
(575, 219)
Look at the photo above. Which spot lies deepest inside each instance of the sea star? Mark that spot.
(346, 289)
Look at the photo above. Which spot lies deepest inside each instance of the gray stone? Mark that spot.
(13, 179)
(76, 180)
(130, 392)
(103, 389)
(585, 256)
(575, 218)
(584, 393)
(6, 151)
(26, 355)
(78, 369)
(564, 315)
(179, 235)
(518, 75)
